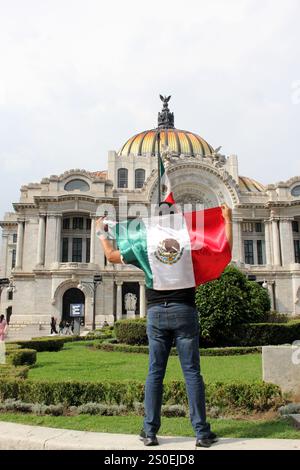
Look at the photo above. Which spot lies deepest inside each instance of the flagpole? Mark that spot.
(158, 166)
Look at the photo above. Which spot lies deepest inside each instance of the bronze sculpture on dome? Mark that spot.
(165, 117)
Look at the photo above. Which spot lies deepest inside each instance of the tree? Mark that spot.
(227, 302)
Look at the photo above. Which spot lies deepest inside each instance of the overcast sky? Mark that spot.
(79, 77)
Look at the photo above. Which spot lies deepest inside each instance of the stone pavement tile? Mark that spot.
(19, 436)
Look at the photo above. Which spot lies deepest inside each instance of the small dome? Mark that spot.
(250, 185)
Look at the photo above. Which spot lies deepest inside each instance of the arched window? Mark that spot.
(139, 177)
(122, 178)
(77, 184)
(296, 191)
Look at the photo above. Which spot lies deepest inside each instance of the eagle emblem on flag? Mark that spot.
(169, 251)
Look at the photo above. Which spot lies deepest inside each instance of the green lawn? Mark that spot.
(78, 362)
(276, 428)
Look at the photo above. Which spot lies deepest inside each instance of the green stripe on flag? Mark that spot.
(131, 238)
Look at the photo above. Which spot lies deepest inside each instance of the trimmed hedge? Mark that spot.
(43, 344)
(229, 351)
(257, 396)
(131, 331)
(20, 357)
(8, 371)
(262, 334)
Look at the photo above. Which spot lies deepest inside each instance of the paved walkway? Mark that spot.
(24, 437)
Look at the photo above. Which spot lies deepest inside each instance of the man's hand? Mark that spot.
(101, 228)
(226, 213)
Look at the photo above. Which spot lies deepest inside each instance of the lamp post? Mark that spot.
(97, 279)
(158, 167)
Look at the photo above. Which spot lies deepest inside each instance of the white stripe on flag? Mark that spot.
(175, 270)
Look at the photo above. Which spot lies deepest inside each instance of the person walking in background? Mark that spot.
(53, 329)
(3, 328)
(61, 327)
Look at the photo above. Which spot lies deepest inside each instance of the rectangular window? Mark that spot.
(88, 250)
(10, 295)
(295, 225)
(15, 237)
(66, 224)
(248, 249)
(88, 224)
(247, 227)
(65, 249)
(297, 250)
(77, 223)
(77, 250)
(258, 227)
(13, 259)
(260, 257)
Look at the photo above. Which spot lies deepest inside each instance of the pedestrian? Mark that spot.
(3, 328)
(53, 329)
(61, 327)
(171, 317)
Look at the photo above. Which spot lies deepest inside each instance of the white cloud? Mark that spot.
(77, 78)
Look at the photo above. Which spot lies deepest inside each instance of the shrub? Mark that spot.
(131, 331)
(11, 405)
(227, 302)
(263, 334)
(276, 317)
(174, 411)
(101, 409)
(7, 371)
(258, 396)
(43, 344)
(19, 357)
(229, 351)
(42, 409)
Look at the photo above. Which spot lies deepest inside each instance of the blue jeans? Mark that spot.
(167, 323)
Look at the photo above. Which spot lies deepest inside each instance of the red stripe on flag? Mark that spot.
(170, 199)
(210, 248)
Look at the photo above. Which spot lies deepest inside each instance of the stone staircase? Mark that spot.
(25, 332)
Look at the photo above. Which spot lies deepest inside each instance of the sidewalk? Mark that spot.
(24, 437)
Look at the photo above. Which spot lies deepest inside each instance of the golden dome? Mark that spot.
(178, 141)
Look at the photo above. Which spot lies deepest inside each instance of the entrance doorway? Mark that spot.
(72, 296)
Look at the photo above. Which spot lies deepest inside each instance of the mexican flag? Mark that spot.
(165, 185)
(176, 251)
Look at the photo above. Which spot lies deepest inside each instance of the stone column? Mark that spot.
(276, 243)
(93, 235)
(237, 248)
(41, 241)
(142, 300)
(4, 254)
(20, 242)
(268, 245)
(286, 239)
(271, 293)
(119, 300)
(58, 238)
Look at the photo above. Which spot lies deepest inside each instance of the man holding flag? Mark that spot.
(177, 252)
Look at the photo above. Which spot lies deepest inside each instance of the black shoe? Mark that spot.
(207, 441)
(148, 441)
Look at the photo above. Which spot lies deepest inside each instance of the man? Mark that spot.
(172, 316)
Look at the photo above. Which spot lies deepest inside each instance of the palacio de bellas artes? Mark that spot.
(51, 257)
